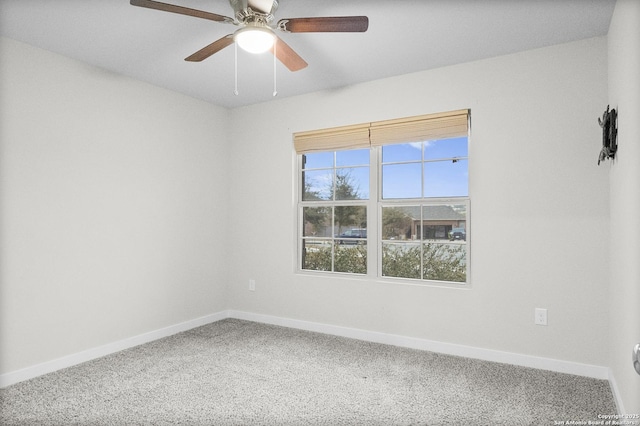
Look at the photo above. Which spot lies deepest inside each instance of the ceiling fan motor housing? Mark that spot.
(254, 11)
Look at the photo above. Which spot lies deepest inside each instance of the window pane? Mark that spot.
(444, 261)
(317, 185)
(352, 157)
(398, 222)
(401, 181)
(402, 152)
(317, 160)
(443, 222)
(401, 259)
(316, 255)
(334, 237)
(317, 222)
(351, 258)
(445, 148)
(352, 183)
(350, 221)
(446, 178)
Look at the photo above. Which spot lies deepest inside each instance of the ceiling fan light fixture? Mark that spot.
(255, 39)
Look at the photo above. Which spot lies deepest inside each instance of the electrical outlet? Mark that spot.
(252, 285)
(540, 316)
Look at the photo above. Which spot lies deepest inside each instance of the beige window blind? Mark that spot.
(421, 128)
(410, 129)
(347, 137)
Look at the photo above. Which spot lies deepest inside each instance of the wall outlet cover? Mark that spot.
(540, 316)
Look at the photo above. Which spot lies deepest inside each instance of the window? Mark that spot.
(387, 199)
(335, 190)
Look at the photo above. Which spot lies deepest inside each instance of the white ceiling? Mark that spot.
(404, 36)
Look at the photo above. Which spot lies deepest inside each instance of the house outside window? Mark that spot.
(388, 199)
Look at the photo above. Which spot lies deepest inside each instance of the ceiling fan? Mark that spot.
(257, 29)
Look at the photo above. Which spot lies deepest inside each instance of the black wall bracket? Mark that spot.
(609, 135)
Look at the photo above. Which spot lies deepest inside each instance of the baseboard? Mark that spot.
(586, 370)
(616, 393)
(27, 373)
(559, 366)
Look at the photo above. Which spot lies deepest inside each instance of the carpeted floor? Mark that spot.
(242, 373)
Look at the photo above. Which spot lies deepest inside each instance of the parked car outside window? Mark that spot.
(352, 233)
(458, 234)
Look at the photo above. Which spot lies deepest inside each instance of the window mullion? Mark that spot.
(422, 224)
(373, 215)
(422, 149)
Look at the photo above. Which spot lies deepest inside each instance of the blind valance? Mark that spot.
(403, 130)
(421, 128)
(346, 137)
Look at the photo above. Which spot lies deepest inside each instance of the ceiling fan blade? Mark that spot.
(209, 50)
(341, 24)
(151, 4)
(288, 56)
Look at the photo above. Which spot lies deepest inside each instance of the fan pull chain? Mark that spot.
(275, 90)
(235, 90)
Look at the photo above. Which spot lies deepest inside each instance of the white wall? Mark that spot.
(624, 95)
(113, 205)
(540, 207)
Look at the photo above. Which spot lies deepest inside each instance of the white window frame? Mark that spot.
(421, 201)
(320, 203)
(374, 205)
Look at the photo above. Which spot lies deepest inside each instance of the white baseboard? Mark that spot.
(616, 393)
(586, 370)
(559, 366)
(27, 373)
